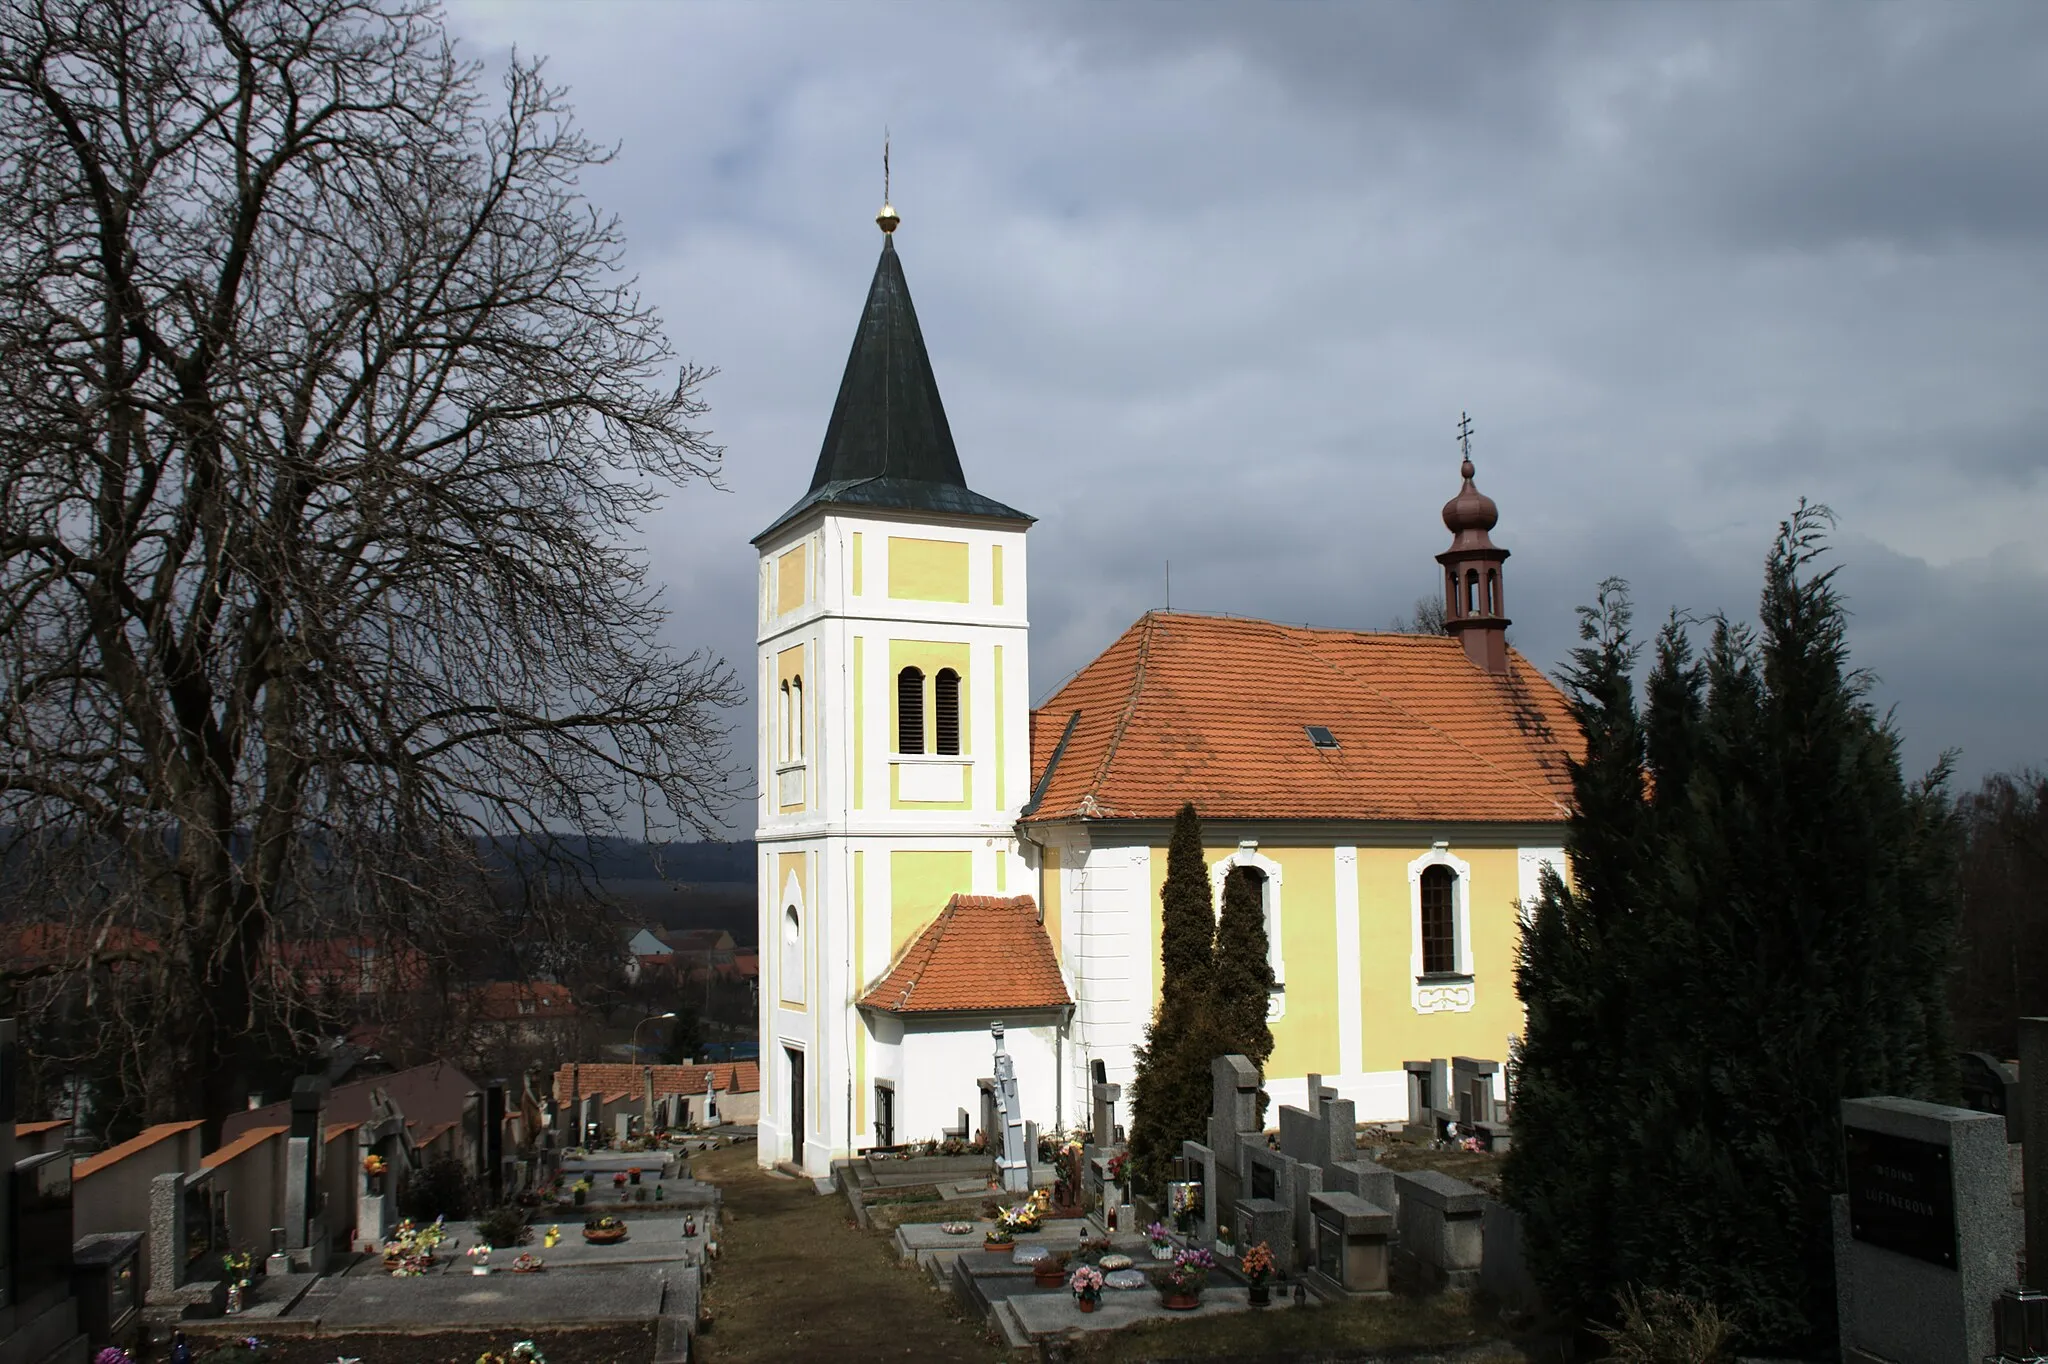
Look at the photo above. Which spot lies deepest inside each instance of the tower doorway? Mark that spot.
(796, 1104)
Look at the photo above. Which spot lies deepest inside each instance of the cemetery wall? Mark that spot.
(110, 1191)
(250, 1171)
(34, 1138)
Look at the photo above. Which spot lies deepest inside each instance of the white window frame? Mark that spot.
(796, 718)
(1248, 855)
(1442, 994)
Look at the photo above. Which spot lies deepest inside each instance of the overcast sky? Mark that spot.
(1211, 284)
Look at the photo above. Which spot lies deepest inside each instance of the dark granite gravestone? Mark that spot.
(1989, 1085)
(302, 1193)
(106, 1276)
(41, 1231)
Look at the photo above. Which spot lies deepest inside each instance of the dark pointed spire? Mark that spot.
(888, 422)
(888, 443)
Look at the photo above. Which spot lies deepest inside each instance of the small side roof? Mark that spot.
(984, 953)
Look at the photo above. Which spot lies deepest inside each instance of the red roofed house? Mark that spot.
(936, 857)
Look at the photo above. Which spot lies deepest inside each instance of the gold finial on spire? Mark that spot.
(886, 219)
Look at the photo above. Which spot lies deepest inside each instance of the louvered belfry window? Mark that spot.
(946, 697)
(1439, 922)
(910, 711)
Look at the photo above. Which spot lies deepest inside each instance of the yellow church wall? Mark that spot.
(996, 586)
(927, 570)
(860, 977)
(1049, 894)
(860, 727)
(1000, 725)
(1305, 1036)
(856, 565)
(789, 668)
(1394, 1032)
(920, 883)
(792, 577)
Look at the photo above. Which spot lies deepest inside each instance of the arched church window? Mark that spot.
(1451, 591)
(1439, 922)
(946, 704)
(1492, 591)
(796, 719)
(1471, 591)
(910, 711)
(782, 724)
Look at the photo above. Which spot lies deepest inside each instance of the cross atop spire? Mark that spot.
(886, 219)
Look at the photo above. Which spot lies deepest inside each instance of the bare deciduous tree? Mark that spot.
(326, 422)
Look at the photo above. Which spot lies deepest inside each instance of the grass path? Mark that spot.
(798, 1281)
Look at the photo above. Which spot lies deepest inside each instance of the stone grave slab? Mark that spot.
(920, 1241)
(1050, 1314)
(649, 1240)
(1439, 1220)
(380, 1302)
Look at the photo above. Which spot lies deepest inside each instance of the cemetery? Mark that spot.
(312, 1235)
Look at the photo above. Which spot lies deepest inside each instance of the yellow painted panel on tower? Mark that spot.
(792, 924)
(927, 570)
(855, 573)
(792, 716)
(920, 884)
(1001, 726)
(860, 726)
(792, 578)
(996, 558)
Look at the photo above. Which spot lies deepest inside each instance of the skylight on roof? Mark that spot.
(1320, 736)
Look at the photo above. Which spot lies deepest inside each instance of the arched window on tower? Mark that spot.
(1471, 591)
(1451, 592)
(1439, 922)
(1493, 597)
(782, 724)
(796, 719)
(910, 711)
(946, 707)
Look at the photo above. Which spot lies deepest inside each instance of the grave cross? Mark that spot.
(1016, 1160)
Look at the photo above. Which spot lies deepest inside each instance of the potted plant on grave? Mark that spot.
(1119, 1171)
(999, 1237)
(479, 1259)
(618, 1181)
(1162, 1245)
(238, 1265)
(604, 1231)
(1258, 1270)
(1187, 1206)
(633, 1174)
(1224, 1245)
(1050, 1271)
(1087, 1287)
(581, 1191)
(1181, 1284)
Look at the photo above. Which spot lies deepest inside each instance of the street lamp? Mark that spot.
(651, 1018)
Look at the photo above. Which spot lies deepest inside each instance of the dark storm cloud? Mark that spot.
(1211, 283)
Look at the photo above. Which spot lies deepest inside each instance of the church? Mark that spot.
(936, 857)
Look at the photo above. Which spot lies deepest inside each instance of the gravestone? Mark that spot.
(182, 1244)
(1429, 1101)
(1474, 1083)
(1989, 1085)
(1233, 1115)
(1201, 1168)
(1273, 1176)
(1441, 1230)
(1352, 1240)
(1925, 1236)
(1103, 1115)
(304, 1230)
(1015, 1162)
(1269, 1221)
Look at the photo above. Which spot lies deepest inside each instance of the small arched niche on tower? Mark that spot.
(1476, 611)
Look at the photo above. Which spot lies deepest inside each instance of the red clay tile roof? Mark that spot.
(1212, 709)
(983, 952)
(731, 1077)
(514, 1001)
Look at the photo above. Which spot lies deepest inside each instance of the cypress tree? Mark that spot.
(1170, 1092)
(1244, 973)
(1761, 937)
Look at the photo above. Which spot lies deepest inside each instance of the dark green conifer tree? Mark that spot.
(1170, 1092)
(1244, 973)
(1761, 935)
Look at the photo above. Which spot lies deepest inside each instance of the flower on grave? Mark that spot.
(374, 1165)
(526, 1352)
(1258, 1263)
(113, 1354)
(1190, 1271)
(1470, 1144)
(1022, 1217)
(1086, 1283)
(527, 1263)
(619, 1180)
(554, 1235)
(1000, 1233)
(237, 1264)
(1118, 1165)
(1156, 1233)
(480, 1254)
